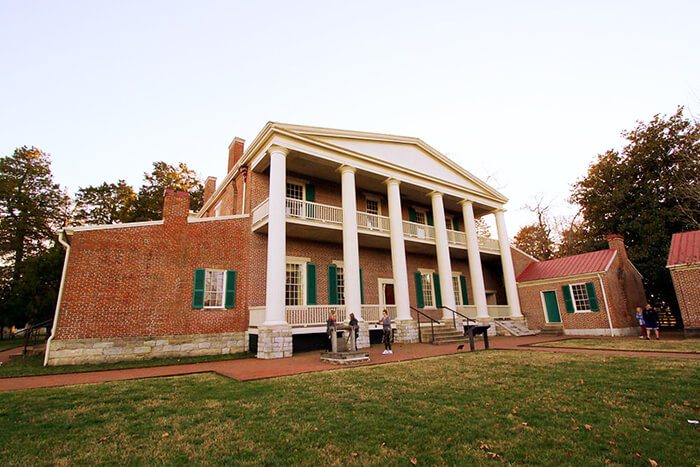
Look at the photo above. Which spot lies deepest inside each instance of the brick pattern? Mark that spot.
(686, 282)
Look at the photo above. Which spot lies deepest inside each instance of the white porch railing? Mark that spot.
(495, 311)
(366, 221)
(373, 313)
(455, 237)
(261, 211)
(300, 209)
(419, 231)
(256, 316)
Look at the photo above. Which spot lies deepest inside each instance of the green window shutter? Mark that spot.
(455, 222)
(310, 193)
(568, 301)
(310, 284)
(332, 284)
(463, 284)
(419, 290)
(429, 216)
(362, 289)
(436, 286)
(411, 214)
(198, 293)
(592, 297)
(230, 294)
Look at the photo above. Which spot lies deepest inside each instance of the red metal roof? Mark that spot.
(685, 248)
(585, 263)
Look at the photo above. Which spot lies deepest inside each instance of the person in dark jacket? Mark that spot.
(356, 326)
(330, 329)
(651, 320)
(386, 328)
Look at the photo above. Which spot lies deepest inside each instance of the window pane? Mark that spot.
(458, 292)
(420, 217)
(427, 280)
(293, 286)
(372, 207)
(213, 288)
(295, 191)
(340, 280)
(580, 295)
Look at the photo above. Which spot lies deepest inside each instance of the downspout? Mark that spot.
(607, 309)
(244, 171)
(66, 245)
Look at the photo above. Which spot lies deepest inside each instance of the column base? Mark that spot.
(363, 336)
(274, 341)
(406, 331)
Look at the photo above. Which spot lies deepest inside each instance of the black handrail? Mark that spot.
(455, 312)
(31, 330)
(432, 324)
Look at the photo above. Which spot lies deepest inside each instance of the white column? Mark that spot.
(276, 240)
(507, 264)
(398, 251)
(475, 272)
(443, 256)
(351, 249)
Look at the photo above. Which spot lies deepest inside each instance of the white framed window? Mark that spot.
(294, 285)
(214, 287)
(373, 206)
(421, 218)
(579, 295)
(428, 289)
(295, 190)
(295, 199)
(457, 286)
(340, 281)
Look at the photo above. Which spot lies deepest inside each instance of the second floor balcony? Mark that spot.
(324, 222)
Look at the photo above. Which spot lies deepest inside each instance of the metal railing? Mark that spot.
(31, 333)
(454, 317)
(432, 324)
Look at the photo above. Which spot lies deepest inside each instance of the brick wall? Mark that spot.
(138, 281)
(686, 282)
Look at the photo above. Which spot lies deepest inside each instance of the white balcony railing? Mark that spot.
(419, 231)
(326, 214)
(366, 221)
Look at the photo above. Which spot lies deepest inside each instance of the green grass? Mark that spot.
(525, 407)
(628, 343)
(10, 343)
(34, 365)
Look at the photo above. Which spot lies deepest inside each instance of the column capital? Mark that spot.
(279, 150)
(346, 168)
(392, 181)
(462, 202)
(436, 194)
(499, 211)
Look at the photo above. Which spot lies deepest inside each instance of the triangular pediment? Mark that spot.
(409, 153)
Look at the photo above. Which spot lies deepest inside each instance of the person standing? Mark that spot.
(330, 329)
(639, 315)
(386, 328)
(651, 320)
(355, 325)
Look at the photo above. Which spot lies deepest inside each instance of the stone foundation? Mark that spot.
(363, 336)
(406, 331)
(274, 342)
(80, 351)
(633, 331)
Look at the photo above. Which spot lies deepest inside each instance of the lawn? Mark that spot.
(627, 343)
(34, 365)
(474, 408)
(10, 343)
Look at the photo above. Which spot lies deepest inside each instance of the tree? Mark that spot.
(109, 203)
(535, 240)
(645, 192)
(149, 205)
(32, 208)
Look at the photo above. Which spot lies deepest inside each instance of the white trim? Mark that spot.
(573, 298)
(633, 331)
(684, 266)
(431, 273)
(544, 306)
(381, 282)
(217, 208)
(302, 262)
(297, 259)
(611, 261)
(588, 275)
(66, 245)
(607, 309)
(458, 290)
(70, 230)
(193, 220)
(223, 290)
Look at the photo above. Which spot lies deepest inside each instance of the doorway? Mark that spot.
(386, 292)
(551, 307)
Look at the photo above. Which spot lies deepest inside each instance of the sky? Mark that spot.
(522, 94)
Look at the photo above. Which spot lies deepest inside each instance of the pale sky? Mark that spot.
(525, 94)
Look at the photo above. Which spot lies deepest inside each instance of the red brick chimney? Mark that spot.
(235, 151)
(209, 188)
(176, 206)
(617, 242)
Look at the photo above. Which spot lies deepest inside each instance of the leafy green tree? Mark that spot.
(644, 192)
(109, 203)
(32, 208)
(149, 204)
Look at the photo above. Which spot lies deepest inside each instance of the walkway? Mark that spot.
(252, 368)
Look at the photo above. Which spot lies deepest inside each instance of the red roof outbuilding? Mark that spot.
(586, 263)
(685, 248)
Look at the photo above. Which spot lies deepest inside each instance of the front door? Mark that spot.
(389, 298)
(551, 307)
